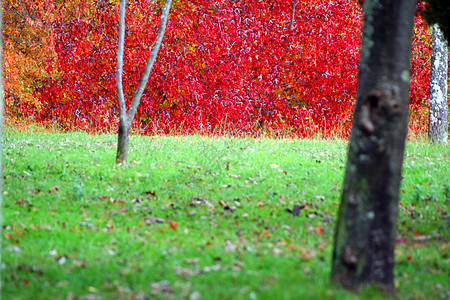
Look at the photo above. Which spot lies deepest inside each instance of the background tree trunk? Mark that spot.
(291, 26)
(126, 117)
(366, 228)
(438, 105)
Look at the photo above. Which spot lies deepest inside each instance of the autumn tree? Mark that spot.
(367, 222)
(126, 116)
(438, 105)
(28, 45)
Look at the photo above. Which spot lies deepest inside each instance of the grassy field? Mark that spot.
(201, 218)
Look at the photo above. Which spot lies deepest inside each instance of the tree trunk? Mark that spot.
(438, 107)
(366, 228)
(123, 136)
(122, 143)
(126, 117)
(291, 26)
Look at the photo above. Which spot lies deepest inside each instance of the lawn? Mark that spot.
(194, 217)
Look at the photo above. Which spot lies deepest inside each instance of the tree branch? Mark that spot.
(148, 67)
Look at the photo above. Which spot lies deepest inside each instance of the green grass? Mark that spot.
(75, 224)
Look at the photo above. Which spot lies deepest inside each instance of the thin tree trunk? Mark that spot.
(123, 136)
(126, 117)
(366, 228)
(122, 143)
(291, 26)
(437, 120)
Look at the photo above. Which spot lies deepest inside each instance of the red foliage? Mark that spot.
(224, 66)
(420, 70)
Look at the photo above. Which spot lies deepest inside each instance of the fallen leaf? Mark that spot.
(173, 224)
(194, 167)
(319, 229)
(13, 248)
(36, 190)
(306, 254)
(55, 188)
(194, 296)
(276, 251)
(91, 296)
(184, 271)
(208, 269)
(62, 260)
(151, 220)
(109, 226)
(229, 246)
(296, 210)
(226, 207)
(161, 287)
(421, 238)
(150, 193)
(192, 261)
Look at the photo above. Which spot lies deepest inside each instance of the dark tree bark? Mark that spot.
(366, 228)
(126, 117)
(438, 105)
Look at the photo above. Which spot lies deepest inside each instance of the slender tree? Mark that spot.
(438, 104)
(126, 116)
(366, 228)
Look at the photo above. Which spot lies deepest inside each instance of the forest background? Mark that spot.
(236, 67)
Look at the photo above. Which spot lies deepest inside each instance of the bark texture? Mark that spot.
(126, 117)
(438, 105)
(122, 143)
(366, 228)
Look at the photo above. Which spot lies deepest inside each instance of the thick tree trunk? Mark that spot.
(366, 228)
(438, 107)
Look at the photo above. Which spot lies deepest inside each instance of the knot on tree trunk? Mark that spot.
(349, 256)
(381, 103)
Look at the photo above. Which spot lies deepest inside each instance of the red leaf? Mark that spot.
(173, 225)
